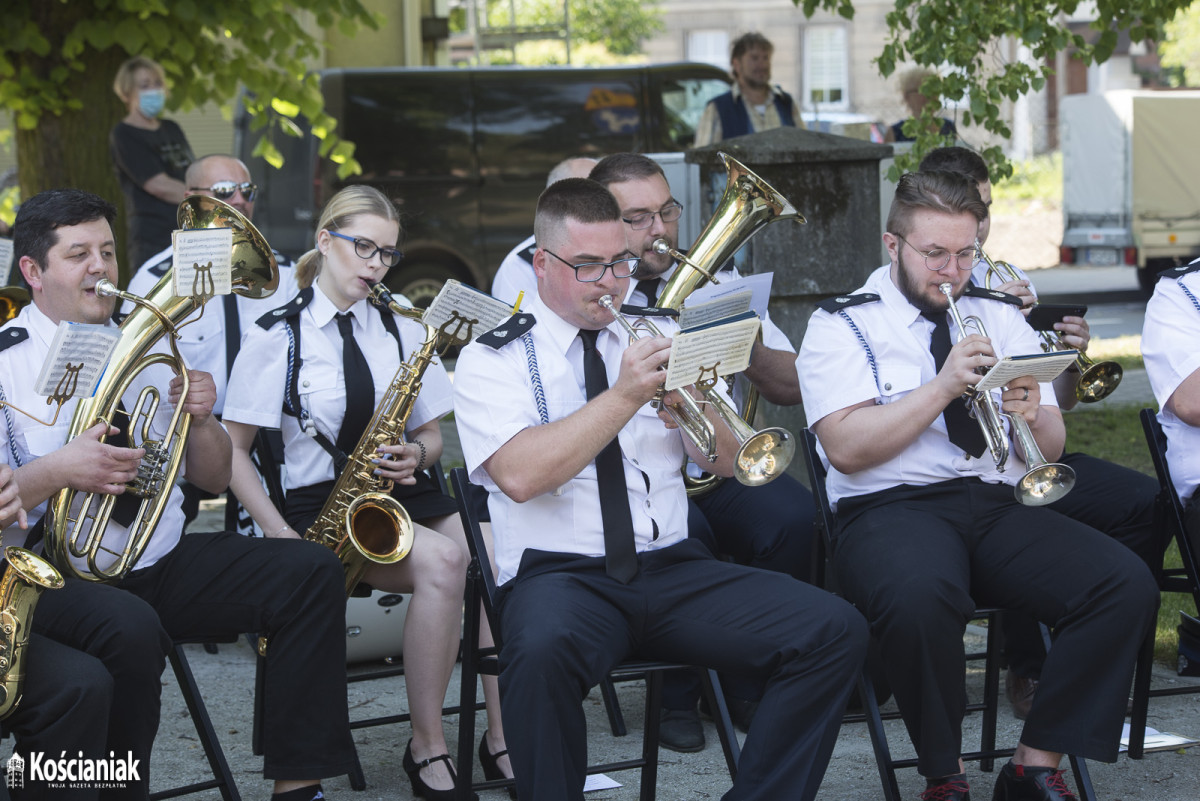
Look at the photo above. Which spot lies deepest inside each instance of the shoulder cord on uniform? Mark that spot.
(292, 404)
(539, 394)
(8, 424)
(1186, 291)
(866, 347)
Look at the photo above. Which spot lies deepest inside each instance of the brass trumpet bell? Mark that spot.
(255, 274)
(1098, 380)
(1045, 484)
(764, 457)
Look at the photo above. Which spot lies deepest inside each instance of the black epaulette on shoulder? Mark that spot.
(973, 291)
(509, 330)
(12, 336)
(160, 269)
(289, 309)
(839, 302)
(1181, 270)
(647, 311)
(527, 253)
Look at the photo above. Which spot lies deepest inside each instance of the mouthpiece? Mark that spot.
(660, 246)
(106, 288)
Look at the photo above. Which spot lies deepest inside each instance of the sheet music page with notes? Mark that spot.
(711, 350)
(78, 356)
(6, 260)
(462, 312)
(1042, 366)
(203, 262)
(759, 284)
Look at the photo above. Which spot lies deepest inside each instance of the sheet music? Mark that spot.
(759, 284)
(6, 260)
(1042, 366)
(728, 305)
(711, 351)
(203, 262)
(462, 312)
(78, 355)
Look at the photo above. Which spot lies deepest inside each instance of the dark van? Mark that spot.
(464, 153)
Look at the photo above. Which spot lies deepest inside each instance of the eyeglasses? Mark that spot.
(591, 271)
(938, 258)
(668, 213)
(223, 190)
(365, 249)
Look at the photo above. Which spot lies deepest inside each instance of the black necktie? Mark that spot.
(620, 553)
(964, 432)
(360, 387)
(649, 288)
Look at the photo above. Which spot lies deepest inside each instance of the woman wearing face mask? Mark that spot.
(150, 155)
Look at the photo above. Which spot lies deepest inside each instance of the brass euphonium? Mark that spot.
(747, 205)
(1045, 481)
(1097, 380)
(26, 576)
(12, 300)
(76, 523)
(360, 520)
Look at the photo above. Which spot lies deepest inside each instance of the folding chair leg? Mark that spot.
(711, 685)
(654, 680)
(991, 693)
(883, 755)
(1083, 779)
(222, 778)
(1141, 699)
(612, 705)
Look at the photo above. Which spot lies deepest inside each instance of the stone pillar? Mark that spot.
(833, 181)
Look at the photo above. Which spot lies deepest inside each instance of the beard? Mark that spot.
(916, 293)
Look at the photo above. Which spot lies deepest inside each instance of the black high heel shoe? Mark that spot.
(491, 765)
(419, 787)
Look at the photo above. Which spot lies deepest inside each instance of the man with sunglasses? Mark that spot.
(594, 561)
(210, 342)
(769, 526)
(928, 528)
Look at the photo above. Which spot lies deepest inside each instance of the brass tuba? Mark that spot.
(26, 576)
(747, 205)
(360, 520)
(1097, 380)
(76, 523)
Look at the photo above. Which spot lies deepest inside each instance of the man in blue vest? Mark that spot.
(752, 105)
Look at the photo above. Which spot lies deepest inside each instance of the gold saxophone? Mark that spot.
(77, 522)
(361, 521)
(25, 578)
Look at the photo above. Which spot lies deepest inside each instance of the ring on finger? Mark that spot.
(1026, 394)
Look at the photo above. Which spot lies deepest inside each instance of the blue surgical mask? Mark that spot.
(151, 101)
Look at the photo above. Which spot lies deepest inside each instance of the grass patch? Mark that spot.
(1038, 179)
(1115, 433)
(1126, 351)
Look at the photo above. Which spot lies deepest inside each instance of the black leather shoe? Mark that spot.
(491, 765)
(1021, 783)
(741, 713)
(947, 788)
(1020, 691)
(422, 790)
(681, 730)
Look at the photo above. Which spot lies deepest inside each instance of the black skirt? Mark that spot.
(422, 501)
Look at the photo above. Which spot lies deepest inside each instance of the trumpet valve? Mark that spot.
(151, 470)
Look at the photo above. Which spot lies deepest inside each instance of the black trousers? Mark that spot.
(292, 592)
(769, 527)
(1112, 499)
(565, 624)
(92, 684)
(918, 560)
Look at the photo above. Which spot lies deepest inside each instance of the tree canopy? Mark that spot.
(966, 43)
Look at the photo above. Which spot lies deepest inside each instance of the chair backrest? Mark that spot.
(467, 495)
(824, 519)
(1172, 508)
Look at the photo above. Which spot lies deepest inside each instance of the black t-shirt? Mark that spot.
(138, 155)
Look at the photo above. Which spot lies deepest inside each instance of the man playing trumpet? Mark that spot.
(928, 528)
(589, 516)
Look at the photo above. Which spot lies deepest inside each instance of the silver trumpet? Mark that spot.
(1046, 481)
(762, 455)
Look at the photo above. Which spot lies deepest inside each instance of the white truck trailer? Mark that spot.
(1131, 179)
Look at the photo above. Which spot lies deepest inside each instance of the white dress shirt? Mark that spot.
(835, 374)
(22, 440)
(258, 383)
(494, 401)
(202, 339)
(515, 275)
(1170, 337)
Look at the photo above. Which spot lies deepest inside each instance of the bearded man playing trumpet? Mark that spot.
(1108, 497)
(199, 585)
(589, 517)
(928, 528)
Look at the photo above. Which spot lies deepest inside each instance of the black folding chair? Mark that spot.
(222, 779)
(989, 705)
(1170, 519)
(486, 661)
